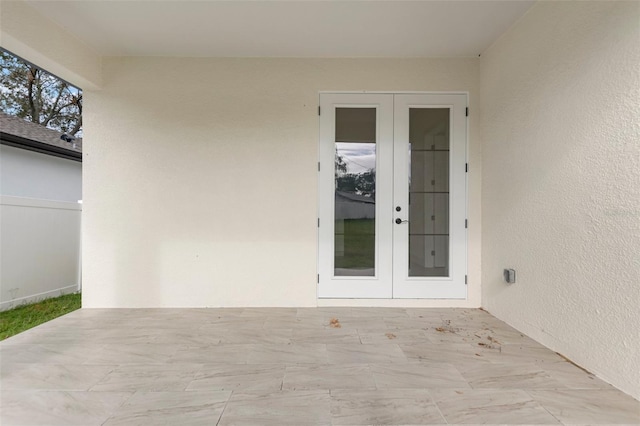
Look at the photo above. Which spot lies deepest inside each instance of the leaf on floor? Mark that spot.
(390, 336)
(334, 323)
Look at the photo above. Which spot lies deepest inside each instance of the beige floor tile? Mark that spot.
(52, 408)
(589, 406)
(384, 407)
(213, 354)
(303, 353)
(491, 406)
(237, 323)
(71, 377)
(268, 336)
(365, 354)
(299, 408)
(297, 323)
(453, 353)
(392, 336)
(356, 376)
(574, 377)
(269, 312)
(408, 323)
(379, 365)
(324, 312)
(171, 408)
(508, 376)
(382, 312)
(326, 335)
(361, 323)
(124, 335)
(189, 337)
(418, 376)
(148, 378)
(509, 353)
(49, 353)
(132, 354)
(239, 377)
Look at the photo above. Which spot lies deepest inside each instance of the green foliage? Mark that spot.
(24, 317)
(30, 93)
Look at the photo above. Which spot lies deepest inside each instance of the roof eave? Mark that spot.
(43, 148)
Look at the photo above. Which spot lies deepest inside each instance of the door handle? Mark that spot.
(399, 221)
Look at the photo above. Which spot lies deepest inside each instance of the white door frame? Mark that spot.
(377, 286)
(392, 140)
(453, 286)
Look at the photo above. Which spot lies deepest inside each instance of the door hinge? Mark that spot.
(466, 167)
(466, 223)
(466, 112)
(318, 222)
(318, 109)
(318, 166)
(318, 278)
(465, 280)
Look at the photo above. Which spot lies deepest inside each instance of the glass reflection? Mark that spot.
(429, 192)
(355, 192)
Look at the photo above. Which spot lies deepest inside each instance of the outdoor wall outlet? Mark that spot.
(509, 275)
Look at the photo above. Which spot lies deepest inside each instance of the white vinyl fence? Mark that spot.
(39, 249)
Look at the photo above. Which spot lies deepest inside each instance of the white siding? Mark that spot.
(34, 175)
(39, 249)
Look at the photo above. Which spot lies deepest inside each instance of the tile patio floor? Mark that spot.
(290, 367)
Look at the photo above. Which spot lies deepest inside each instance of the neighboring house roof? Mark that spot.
(14, 131)
(355, 197)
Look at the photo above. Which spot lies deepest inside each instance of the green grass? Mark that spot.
(359, 244)
(24, 317)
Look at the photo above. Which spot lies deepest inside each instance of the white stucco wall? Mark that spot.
(25, 32)
(200, 184)
(561, 182)
(34, 175)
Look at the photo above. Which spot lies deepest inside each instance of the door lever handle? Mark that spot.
(399, 221)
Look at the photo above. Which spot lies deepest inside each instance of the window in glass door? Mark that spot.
(429, 192)
(355, 192)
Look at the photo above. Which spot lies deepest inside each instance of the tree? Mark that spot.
(28, 92)
(359, 183)
(341, 166)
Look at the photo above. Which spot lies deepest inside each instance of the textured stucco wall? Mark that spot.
(560, 106)
(200, 176)
(25, 32)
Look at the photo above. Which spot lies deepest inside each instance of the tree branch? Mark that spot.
(53, 111)
(31, 81)
(76, 128)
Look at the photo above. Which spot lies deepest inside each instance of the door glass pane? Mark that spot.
(428, 192)
(355, 193)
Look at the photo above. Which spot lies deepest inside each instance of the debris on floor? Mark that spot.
(493, 344)
(446, 327)
(334, 323)
(390, 336)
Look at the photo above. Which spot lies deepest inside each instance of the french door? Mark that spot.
(392, 187)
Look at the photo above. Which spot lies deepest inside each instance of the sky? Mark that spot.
(359, 157)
